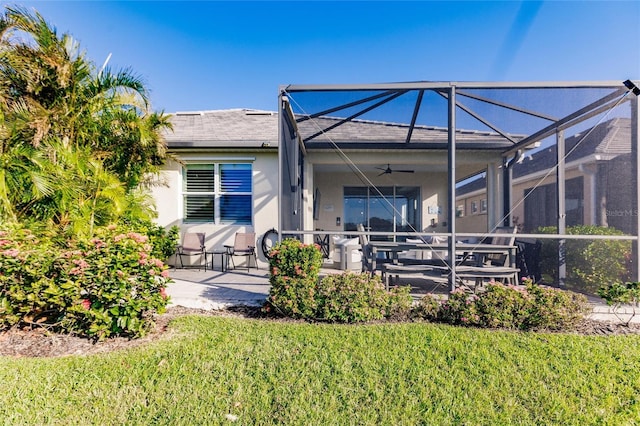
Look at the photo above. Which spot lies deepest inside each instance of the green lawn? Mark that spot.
(305, 374)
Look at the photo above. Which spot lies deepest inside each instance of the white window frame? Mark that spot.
(483, 205)
(217, 192)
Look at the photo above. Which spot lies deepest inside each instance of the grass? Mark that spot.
(305, 374)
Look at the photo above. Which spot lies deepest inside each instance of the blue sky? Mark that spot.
(216, 55)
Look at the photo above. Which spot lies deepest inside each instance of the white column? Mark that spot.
(494, 201)
(307, 202)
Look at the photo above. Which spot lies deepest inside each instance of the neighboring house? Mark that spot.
(224, 178)
(598, 174)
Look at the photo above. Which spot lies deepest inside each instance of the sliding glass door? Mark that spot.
(383, 209)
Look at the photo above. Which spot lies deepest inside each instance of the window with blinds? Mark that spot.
(220, 193)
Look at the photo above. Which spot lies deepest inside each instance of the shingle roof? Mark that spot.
(391, 135)
(232, 128)
(249, 128)
(612, 137)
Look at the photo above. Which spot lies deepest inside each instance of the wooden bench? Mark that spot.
(430, 272)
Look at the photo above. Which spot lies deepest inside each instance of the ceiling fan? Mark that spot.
(388, 170)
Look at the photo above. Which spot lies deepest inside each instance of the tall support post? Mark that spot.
(307, 201)
(507, 191)
(281, 148)
(494, 196)
(451, 214)
(635, 158)
(562, 210)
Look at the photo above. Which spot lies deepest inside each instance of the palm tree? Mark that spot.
(74, 140)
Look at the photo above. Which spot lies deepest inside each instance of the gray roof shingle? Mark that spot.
(610, 138)
(232, 128)
(249, 128)
(376, 133)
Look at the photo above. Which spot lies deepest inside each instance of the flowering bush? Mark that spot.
(163, 241)
(459, 308)
(428, 308)
(399, 303)
(524, 307)
(28, 291)
(109, 285)
(294, 271)
(351, 297)
(297, 292)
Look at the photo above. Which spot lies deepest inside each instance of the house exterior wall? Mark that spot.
(471, 221)
(524, 184)
(170, 203)
(433, 195)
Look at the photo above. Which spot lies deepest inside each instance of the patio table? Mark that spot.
(466, 249)
(223, 258)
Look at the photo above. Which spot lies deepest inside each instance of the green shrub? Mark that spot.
(618, 294)
(459, 308)
(109, 285)
(513, 307)
(554, 309)
(350, 297)
(428, 308)
(590, 263)
(297, 292)
(502, 306)
(294, 271)
(29, 292)
(399, 303)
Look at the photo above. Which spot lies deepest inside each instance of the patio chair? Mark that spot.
(367, 253)
(243, 245)
(493, 265)
(192, 245)
(367, 265)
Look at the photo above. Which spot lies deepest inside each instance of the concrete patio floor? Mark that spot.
(215, 290)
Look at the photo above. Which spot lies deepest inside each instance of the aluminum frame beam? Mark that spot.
(447, 85)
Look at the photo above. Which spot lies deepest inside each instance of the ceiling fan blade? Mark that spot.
(404, 171)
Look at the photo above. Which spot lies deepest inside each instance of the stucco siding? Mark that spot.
(170, 204)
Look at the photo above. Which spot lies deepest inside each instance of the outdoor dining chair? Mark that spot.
(493, 265)
(192, 245)
(243, 245)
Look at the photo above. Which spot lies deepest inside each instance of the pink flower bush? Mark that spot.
(11, 252)
(101, 287)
